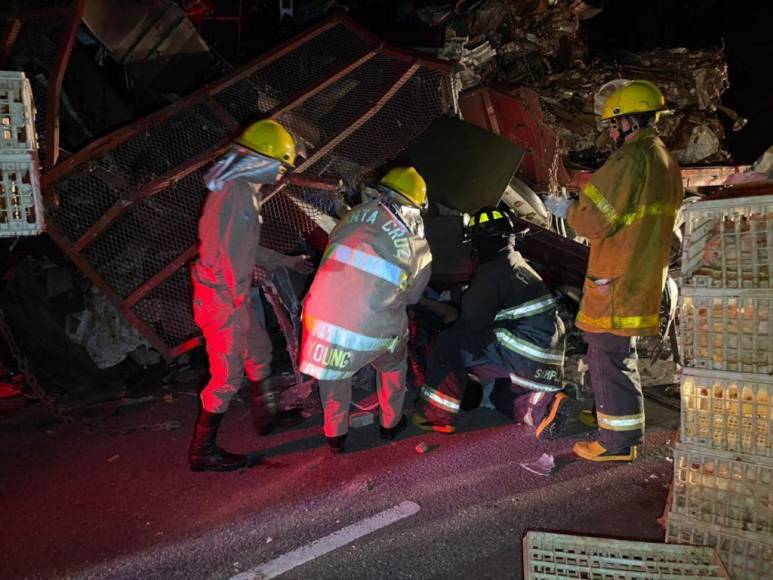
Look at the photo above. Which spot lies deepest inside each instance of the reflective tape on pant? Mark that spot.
(322, 373)
(528, 349)
(536, 306)
(345, 338)
(620, 422)
(533, 385)
(440, 400)
(368, 263)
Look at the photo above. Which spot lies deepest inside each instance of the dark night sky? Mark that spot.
(745, 26)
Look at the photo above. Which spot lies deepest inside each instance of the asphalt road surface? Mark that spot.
(125, 505)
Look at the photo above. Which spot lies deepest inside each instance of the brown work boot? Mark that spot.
(595, 451)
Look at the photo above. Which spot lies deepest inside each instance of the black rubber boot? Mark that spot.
(264, 406)
(336, 444)
(391, 432)
(203, 454)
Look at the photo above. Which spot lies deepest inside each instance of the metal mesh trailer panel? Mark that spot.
(126, 207)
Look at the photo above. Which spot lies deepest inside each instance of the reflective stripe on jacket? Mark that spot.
(373, 267)
(507, 302)
(627, 211)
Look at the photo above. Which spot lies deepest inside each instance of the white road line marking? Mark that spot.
(331, 542)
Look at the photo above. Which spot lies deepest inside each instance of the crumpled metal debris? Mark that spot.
(538, 43)
(523, 40)
(691, 80)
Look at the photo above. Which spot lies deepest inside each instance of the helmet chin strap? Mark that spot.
(623, 135)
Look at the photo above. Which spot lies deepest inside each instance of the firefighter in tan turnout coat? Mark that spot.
(627, 212)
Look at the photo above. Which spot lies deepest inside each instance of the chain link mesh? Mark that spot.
(280, 81)
(153, 232)
(168, 309)
(290, 216)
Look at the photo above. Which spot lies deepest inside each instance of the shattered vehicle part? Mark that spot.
(526, 203)
(125, 208)
(692, 82)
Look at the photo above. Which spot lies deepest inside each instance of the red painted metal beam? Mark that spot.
(10, 35)
(55, 86)
(310, 182)
(184, 347)
(227, 118)
(168, 271)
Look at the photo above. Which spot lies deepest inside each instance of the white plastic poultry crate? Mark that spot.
(727, 489)
(727, 330)
(728, 243)
(552, 556)
(747, 555)
(21, 203)
(17, 114)
(727, 411)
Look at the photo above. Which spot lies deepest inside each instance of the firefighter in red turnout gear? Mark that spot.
(229, 235)
(508, 327)
(377, 262)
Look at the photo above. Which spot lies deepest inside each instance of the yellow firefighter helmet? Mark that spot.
(407, 182)
(634, 98)
(269, 138)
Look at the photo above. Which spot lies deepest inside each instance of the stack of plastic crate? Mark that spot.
(21, 204)
(723, 465)
(548, 556)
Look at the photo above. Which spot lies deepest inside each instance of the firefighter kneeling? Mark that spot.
(508, 327)
(376, 263)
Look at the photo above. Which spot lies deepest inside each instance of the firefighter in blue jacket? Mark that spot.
(508, 327)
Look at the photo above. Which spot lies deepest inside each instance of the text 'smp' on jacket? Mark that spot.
(373, 267)
(526, 326)
(627, 211)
